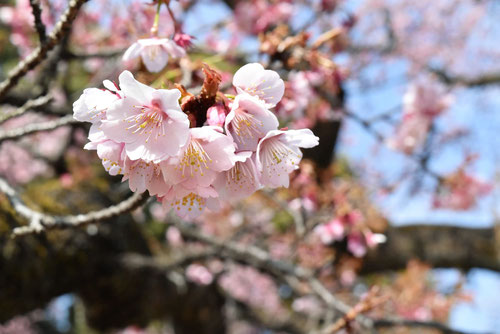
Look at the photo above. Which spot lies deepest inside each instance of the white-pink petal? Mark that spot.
(257, 81)
(207, 153)
(154, 52)
(278, 154)
(132, 52)
(93, 104)
(240, 181)
(150, 122)
(187, 204)
(249, 121)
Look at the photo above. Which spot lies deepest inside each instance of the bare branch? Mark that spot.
(480, 81)
(384, 48)
(100, 54)
(135, 260)
(40, 221)
(37, 127)
(40, 53)
(41, 101)
(394, 322)
(39, 26)
(261, 259)
(18, 100)
(439, 246)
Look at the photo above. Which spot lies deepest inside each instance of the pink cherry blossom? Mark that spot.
(199, 274)
(253, 79)
(332, 231)
(426, 97)
(373, 239)
(356, 244)
(410, 134)
(187, 204)
(240, 181)
(143, 176)
(172, 235)
(18, 166)
(21, 20)
(249, 121)
(216, 115)
(207, 152)
(278, 154)
(154, 52)
(93, 103)
(424, 100)
(460, 191)
(248, 284)
(112, 156)
(257, 15)
(149, 121)
(183, 40)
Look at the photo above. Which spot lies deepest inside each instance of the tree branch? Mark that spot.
(39, 26)
(261, 259)
(37, 127)
(394, 322)
(480, 81)
(40, 221)
(40, 53)
(30, 104)
(439, 246)
(18, 100)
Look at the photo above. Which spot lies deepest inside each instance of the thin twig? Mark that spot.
(43, 100)
(39, 221)
(37, 127)
(395, 322)
(101, 54)
(39, 26)
(40, 53)
(368, 303)
(135, 260)
(261, 259)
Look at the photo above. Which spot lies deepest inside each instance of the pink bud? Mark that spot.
(216, 115)
(356, 245)
(199, 274)
(183, 40)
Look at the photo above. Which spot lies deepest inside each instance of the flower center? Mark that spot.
(274, 153)
(239, 174)
(246, 125)
(256, 89)
(191, 201)
(195, 159)
(149, 121)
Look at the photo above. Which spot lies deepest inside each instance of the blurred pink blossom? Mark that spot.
(199, 274)
(460, 191)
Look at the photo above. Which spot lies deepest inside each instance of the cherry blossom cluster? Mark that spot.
(423, 102)
(460, 191)
(155, 51)
(348, 226)
(143, 134)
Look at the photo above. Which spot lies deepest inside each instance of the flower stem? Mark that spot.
(176, 24)
(154, 28)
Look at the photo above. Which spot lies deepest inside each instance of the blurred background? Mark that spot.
(397, 208)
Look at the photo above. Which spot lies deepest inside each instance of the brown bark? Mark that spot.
(439, 246)
(37, 268)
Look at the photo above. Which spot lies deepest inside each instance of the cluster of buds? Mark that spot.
(191, 163)
(423, 102)
(350, 226)
(460, 191)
